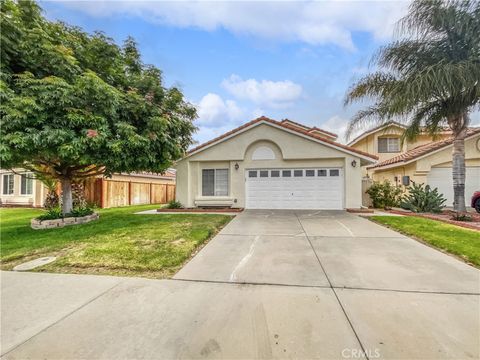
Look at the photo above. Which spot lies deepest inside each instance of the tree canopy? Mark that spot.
(75, 104)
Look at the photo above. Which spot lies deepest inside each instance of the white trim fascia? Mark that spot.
(369, 159)
(373, 131)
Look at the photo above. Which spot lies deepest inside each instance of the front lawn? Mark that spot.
(450, 238)
(119, 243)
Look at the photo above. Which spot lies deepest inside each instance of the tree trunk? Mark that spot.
(458, 173)
(67, 204)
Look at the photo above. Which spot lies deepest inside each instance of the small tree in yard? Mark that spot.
(75, 105)
(430, 78)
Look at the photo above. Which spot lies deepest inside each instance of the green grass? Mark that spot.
(462, 242)
(119, 243)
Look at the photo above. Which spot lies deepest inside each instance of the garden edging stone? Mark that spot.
(51, 224)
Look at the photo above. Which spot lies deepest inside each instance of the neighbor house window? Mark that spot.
(388, 145)
(215, 182)
(7, 184)
(26, 185)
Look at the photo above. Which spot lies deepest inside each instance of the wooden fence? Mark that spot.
(111, 193)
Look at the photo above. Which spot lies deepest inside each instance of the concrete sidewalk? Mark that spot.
(272, 284)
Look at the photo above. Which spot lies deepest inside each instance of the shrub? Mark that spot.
(174, 205)
(457, 216)
(422, 198)
(81, 211)
(384, 194)
(51, 214)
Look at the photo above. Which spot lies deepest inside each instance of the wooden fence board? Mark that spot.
(110, 193)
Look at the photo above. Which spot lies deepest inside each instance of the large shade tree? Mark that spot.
(428, 78)
(76, 105)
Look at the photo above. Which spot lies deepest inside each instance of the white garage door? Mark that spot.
(441, 178)
(294, 188)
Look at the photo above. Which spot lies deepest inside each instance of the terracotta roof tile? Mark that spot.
(285, 125)
(421, 150)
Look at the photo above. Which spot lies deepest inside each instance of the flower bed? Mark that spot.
(56, 223)
(199, 210)
(446, 217)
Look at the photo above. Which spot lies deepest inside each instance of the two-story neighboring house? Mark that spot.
(426, 160)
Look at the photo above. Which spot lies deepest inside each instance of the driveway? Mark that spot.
(271, 284)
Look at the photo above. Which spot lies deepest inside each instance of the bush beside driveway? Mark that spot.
(119, 243)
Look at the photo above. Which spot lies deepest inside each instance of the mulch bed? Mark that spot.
(361, 211)
(446, 217)
(200, 210)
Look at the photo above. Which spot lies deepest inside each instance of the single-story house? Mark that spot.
(431, 163)
(20, 188)
(269, 164)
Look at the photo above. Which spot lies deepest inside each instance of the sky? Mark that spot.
(238, 60)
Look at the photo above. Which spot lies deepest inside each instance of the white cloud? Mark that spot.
(314, 23)
(275, 94)
(337, 125)
(213, 111)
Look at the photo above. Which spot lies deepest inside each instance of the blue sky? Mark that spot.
(238, 60)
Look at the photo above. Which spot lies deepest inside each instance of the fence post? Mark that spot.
(129, 193)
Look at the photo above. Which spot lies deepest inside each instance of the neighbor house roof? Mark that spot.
(421, 151)
(310, 129)
(168, 174)
(374, 130)
(298, 128)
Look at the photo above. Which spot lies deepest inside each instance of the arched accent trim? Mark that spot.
(263, 153)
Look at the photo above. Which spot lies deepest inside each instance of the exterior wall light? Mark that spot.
(236, 166)
(354, 163)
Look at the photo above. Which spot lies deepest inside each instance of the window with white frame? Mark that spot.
(388, 144)
(26, 184)
(214, 182)
(7, 184)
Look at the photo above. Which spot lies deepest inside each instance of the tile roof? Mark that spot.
(421, 150)
(297, 128)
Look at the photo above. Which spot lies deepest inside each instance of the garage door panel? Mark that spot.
(441, 178)
(295, 192)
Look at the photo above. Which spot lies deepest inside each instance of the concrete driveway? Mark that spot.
(272, 284)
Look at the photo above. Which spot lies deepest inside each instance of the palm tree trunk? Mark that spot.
(458, 172)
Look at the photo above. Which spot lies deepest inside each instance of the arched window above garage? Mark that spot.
(263, 153)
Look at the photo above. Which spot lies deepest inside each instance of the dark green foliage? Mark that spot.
(75, 105)
(384, 194)
(457, 216)
(174, 205)
(81, 211)
(56, 213)
(422, 198)
(51, 214)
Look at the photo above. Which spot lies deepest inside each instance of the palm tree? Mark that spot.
(428, 78)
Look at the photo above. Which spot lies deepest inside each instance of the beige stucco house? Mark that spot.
(268, 164)
(426, 160)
